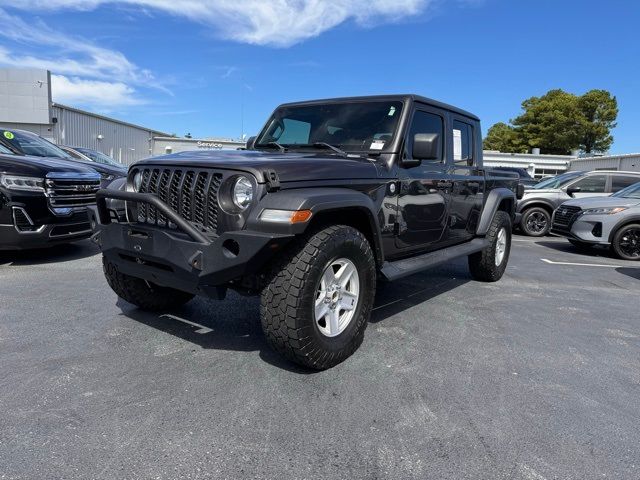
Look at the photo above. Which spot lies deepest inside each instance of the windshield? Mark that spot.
(98, 157)
(31, 144)
(355, 126)
(558, 181)
(632, 191)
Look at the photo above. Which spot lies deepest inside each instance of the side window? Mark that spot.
(424, 122)
(462, 143)
(618, 182)
(592, 184)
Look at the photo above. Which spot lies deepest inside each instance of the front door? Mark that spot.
(423, 199)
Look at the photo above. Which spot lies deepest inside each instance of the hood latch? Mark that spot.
(273, 182)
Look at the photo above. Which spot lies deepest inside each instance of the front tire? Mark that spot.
(143, 294)
(317, 302)
(536, 222)
(489, 264)
(626, 242)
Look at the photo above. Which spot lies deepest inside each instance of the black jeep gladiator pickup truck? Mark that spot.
(43, 199)
(331, 196)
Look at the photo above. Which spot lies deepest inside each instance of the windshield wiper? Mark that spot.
(325, 146)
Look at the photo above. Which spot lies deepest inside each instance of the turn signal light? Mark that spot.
(285, 216)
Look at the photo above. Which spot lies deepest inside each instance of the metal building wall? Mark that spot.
(630, 163)
(123, 142)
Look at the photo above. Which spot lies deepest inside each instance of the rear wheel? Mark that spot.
(626, 242)
(317, 302)
(489, 264)
(536, 222)
(141, 293)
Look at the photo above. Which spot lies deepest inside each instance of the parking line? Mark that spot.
(584, 264)
(201, 328)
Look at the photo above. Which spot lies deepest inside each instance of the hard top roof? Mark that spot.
(394, 97)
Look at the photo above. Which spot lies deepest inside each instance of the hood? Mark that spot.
(602, 202)
(290, 166)
(104, 168)
(40, 166)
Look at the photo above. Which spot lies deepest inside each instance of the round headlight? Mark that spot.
(242, 192)
(137, 181)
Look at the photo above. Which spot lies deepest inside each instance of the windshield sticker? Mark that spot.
(377, 145)
(9, 135)
(392, 111)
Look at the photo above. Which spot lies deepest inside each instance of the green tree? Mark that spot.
(557, 123)
(599, 110)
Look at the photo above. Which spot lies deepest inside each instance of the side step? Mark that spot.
(409, 266)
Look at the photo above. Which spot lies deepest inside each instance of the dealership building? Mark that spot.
(26, 104)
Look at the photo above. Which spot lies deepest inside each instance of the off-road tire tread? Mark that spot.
(137, 292)
(482, 264)
(282, 303)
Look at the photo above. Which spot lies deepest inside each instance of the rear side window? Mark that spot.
(462, 143)
(592, 184)
(424, 122)
(618, 182)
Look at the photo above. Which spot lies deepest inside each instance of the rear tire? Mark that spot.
(536, 222)
(298, 304)
(626, 242)
(489, 264)
(143, 294)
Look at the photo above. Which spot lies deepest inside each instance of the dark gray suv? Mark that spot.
(539, 202)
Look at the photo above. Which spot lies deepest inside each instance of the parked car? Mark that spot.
(108, 169)
(612, 221)
(525, 179)
(331, 194)
(539, 202)
(43, 199)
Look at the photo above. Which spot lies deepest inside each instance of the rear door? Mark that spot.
(423, 200)
(466, 177)
(620, 181)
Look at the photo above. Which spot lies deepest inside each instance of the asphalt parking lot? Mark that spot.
(535, 377)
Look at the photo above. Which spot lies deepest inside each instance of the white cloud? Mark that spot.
(279, 23)
(95, 93)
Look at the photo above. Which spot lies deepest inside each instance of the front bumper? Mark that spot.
(585, 228)
(73, 229)
(183, 259)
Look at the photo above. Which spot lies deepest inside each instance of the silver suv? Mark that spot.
(539, 202)
(613, 221)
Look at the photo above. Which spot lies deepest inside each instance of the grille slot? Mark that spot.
(564, 215)
(71, 193)
(192, 194)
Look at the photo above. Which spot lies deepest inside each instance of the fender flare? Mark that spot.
(534, 202)
(622, 223)
(317, 200)
(495, 197)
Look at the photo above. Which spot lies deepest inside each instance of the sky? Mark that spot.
(217, 68)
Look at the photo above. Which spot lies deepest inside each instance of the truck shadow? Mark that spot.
(566, 247)
(630, 272)
(42, 256)
(234, 324)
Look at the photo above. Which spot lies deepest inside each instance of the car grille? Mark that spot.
(69, 192)
(192, 194)
(564, 215)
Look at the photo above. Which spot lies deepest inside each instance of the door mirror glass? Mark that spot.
(426, 146)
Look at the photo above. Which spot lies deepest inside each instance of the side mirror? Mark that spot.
(520, 191)
(250, 143)
(426, 146)
(572, 190)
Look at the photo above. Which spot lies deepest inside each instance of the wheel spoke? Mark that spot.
(334, 321)
(328, 277)
(344, 274)
(348, 301)
(321, 308)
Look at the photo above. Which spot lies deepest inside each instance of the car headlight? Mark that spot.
(603, 211)
(106, 176)
(14, 182)
(242, 193)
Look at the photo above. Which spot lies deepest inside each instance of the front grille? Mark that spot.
(71, 192)
(563, 216)
(192, 194)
